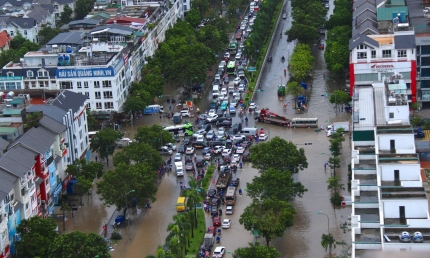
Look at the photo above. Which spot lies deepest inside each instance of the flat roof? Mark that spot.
(7, 130)
(12, 111)
(364, 108)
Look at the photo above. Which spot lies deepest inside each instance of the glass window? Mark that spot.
(96, 84)
(401, 53)
(10, 74)
(386, 53)
(361, 55)
(108, 105)
(98, 95)
(98, 105)
(373, 54)
(107, 94)
(85, 84)
(30, 74)
(10, 85)
(18, 85)
(79, 85)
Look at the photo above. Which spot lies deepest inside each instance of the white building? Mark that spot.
(375, 57)
(388, 197)
(28, 27)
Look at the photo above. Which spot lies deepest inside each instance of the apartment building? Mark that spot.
(389, 202)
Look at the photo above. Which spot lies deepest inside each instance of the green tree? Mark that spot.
(193, 198)
(334, 163)
(91, 120)
(138, 153)
(201, 5)
(85, 173)
(274, 183)
(256, 251)
(32, 119)
(280, 154)
(328, 242)
(301, 62)
(17, 41)
(125, 182)
(134, 103)
(153, 135)
(77, 245)
(104, 142)
(46, 34)
(295, 89)
(193, 17)
(416, 121)
(178, 237)
(269, 216)
(37, 235)
(67, 15)
(303, 33)
(212, 38)
(340, 97)
(8, 56)
(340, 17)
(82, 8)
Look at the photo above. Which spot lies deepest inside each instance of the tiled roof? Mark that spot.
(67, 38)
(36, 139)
(52, 125)
(3, 144)
(53, 112)
(39, 13)
(360, 39)
(18, 160)
(5, 39)
(70, 100)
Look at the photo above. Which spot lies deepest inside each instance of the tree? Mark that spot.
(91, 120)
(46, 34)
(178, 235)
(280, 154)
(153, 135)
(193, 17)
(201, 5)
(303, 33)
(104, 142)
(295, 89)
(82, 8)
(125, 182)
(134, 103)
(212, 38)
(301, 62)
(274, 183)
(85, 173)
(67, 15)
(269, 216)
(334, 162)
(78, 244)
(340, 97)
(334, 186)
(32, 119)
(328, 242)
(138, 153)
(37, 235)
(8, 56)
(256, 251)
(193, 198)
(416, 121)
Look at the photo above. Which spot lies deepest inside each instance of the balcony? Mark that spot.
(49, 160)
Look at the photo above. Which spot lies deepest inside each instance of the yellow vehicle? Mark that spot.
(181, 204)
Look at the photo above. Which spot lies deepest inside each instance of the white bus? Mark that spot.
(186, 129)
(304, 122)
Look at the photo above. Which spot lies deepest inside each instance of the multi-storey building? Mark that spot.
(388, 199)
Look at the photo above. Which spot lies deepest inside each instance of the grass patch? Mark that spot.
(199, 234)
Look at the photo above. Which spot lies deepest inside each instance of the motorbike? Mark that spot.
(269, 59)
(282, 59)
(119, 220)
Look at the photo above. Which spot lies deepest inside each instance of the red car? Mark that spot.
(211, 230)
(321, 47)
(216, 222)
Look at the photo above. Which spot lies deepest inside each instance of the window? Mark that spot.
(11, 33)
(42, 74)
(88, 105)
(108, 105)
(98, 95)
(47, 182)
(55, 7)
(401, 53)
(98, 105)
(80, 134)
(96, 84)
(10, 74)
(87, 94)
(79, 122)
(361, 55)
(12, 197)
(386, 53)
(362, 47)
(25, 32)
(30, 74)
(26, 206)
(107, 94)
(391, 114)
(85, 84)
(107, 84)
(42, 84)
(79, 85)
(373, 53)
(10, 86)
(33, 84)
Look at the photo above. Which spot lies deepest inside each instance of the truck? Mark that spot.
(336, 125)
(265, 116)
(177, 118)
(153, 109)
(223, 180)
(124, 142)
(208, 241)
(281, 91)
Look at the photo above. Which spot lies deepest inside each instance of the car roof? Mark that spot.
(219, 248)
(226, 220)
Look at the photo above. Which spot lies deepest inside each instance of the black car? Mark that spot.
(220, 112)
(215, 202)
(245, 155)
(230, 132)
(247, 144)
(237, 127)
(216, 143)
(201, 123)
(207, 127)
(200, 162)
(189, 166)
(235, 181)
(181, 148)
(226, 80)
(214, 211)
(211, 192)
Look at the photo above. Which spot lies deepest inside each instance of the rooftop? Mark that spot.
(399, 192)
(72, 38)
(364, 115)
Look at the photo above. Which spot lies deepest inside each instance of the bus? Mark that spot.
(230, 196)
(91, 135)
(185, 129)
(304, 122)
(233, 48)
(231, 67)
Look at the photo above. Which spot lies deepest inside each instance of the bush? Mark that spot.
(115, 236)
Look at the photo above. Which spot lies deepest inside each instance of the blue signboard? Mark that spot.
(81, 73)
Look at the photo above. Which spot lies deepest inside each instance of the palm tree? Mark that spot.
(179, 235)
(295, 89)
(193, 197)
(327, 241)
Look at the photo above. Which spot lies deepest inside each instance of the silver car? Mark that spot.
(229, 210)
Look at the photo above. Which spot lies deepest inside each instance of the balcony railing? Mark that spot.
(49, 160)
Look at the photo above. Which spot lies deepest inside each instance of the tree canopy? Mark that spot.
(340, 97)
(104, 142)
(85, 173)
(279, 154)
(67, 15)
(46, 34)
(301, 62)
(269, 216)
(77, 245)
(138, 153)
(256, 251)
(153, 135)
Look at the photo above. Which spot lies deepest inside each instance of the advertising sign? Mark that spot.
(81, 73)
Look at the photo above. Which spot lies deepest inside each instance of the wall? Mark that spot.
(399, 112)
(406, 171)
(403, 141)
(414, 208)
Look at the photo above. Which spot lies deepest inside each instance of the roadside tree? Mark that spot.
(134, 103)
(37, 235)
(193, 17)
(104, 142)
(32, 119)
(339, 97)
(139, 153)
(295, 89)
(82, 8)
(335, 187)
(280, 154)
(303, 33)
(153, 135)
(67, 15)
(179, 235)
(256, 251)
(77, 245)
(269, 216)
(193, 198)
(85, 173)
(125, 182)
(328, 242)
(274, 183)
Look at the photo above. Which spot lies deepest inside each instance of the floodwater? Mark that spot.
(147, 229)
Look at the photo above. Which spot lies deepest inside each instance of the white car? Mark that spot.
(212, 118)
(224, 92)
(210, 135)
(236, 158)
(232, 108)
(200, 138)
(226, 223)
(241, 87)
(201, 132)
(227, 55)
(240, 150)
(229, 210)
(238, 56)
(263, 137)
(185, 113)
(238, 137)
(236, 81)
(218, 252)
(189, 150)
(218, 149)
(226, 152)
(178, 157)
(221, 131)
(217, 77)
(212, 112)
(249, 30)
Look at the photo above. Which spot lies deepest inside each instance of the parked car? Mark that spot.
(190, 150)
(178, 157)
(181, 148)
(225, 123)
(200, 162)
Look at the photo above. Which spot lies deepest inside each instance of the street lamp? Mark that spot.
(328, 222)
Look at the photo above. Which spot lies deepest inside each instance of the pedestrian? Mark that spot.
(324, 75)
(170, 108)
(240, 165)
(97, 158)
(325, 166)
(240, 191)
(160, 117)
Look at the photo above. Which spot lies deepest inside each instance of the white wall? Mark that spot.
(406, 171)
(402, 141)
(414, 208)
(399, 112)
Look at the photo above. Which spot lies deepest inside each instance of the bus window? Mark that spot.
(92, 134)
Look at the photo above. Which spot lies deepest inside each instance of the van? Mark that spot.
(215, 91)
(180, 204)
(177, 118)
(249, 131)
(179, 169)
